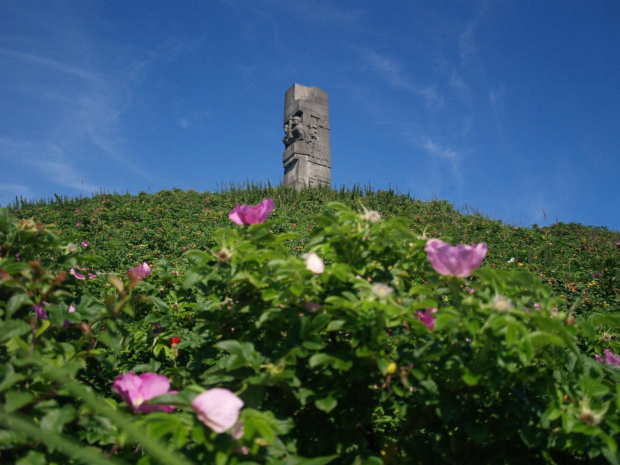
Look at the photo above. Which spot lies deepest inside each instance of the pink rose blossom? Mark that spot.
(611, 359)
(459, 260)
(67, 322)
(218, 409)
(314, 263)
(311, 306)
(427, 317)
(39, 309)
(248, 214)
(135, 390)
(84, 244)
(76, 274)
(139, 272)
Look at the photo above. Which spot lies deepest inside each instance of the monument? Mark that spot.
(306, 158)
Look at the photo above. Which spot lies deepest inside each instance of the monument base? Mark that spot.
(300, 172)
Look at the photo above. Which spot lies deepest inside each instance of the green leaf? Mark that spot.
(15, 302)
(542, 338)
(382, 364)
(10, 377)
(319, 322)
(470, 379)
(16, 400)
(56, 419)
(221, 457)
(335, 325)
(13, 328)
(327, 404)
(160, 304)
(191, 279)
(313, 461)
(264, 424)
(302, 395)
(269, 294)
(430, 386)
(340, 271)
(32, 458)
(319, 359)
(512, 333)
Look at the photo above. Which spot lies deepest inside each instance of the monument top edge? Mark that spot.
(301, 92)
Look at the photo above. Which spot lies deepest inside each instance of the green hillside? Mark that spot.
(581, 263)
(152, 329)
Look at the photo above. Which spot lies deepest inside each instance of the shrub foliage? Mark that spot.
(372, 358)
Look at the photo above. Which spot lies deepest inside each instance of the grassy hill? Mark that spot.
(581, 263)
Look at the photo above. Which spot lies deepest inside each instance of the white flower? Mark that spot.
(381, 290)
(512, 259)
(314, 263)
(501, 303)
(372, 216)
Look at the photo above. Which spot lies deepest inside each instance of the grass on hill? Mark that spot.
(580, 263)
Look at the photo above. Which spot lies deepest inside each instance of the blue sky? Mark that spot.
(508, 108)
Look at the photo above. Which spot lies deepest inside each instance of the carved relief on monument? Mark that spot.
(295, 130)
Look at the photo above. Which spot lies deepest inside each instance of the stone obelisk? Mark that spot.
(306, 159)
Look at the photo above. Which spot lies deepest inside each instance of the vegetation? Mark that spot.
(375, 358)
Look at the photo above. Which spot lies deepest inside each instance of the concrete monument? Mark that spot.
(306, 158)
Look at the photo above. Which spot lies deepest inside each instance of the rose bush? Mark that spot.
(366, 355)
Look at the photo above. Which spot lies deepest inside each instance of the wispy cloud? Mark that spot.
(496, 100)
(327, 13)
(446, 154)
(467, 43)
(193, 120)
(27, 58)
(10, 189)
(79, 109)
(65, 175)
(392, 72)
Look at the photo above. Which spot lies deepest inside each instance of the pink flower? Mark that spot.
(39, 309)
(135, 390)
(247, 214)
(427, 317)
(459, 260)
(84, 244)
(139, 272)
(76, 274)
(311, 306)
(611, 359)
(67, 323)
(79, 223)
(314, 263)
(218, 409)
